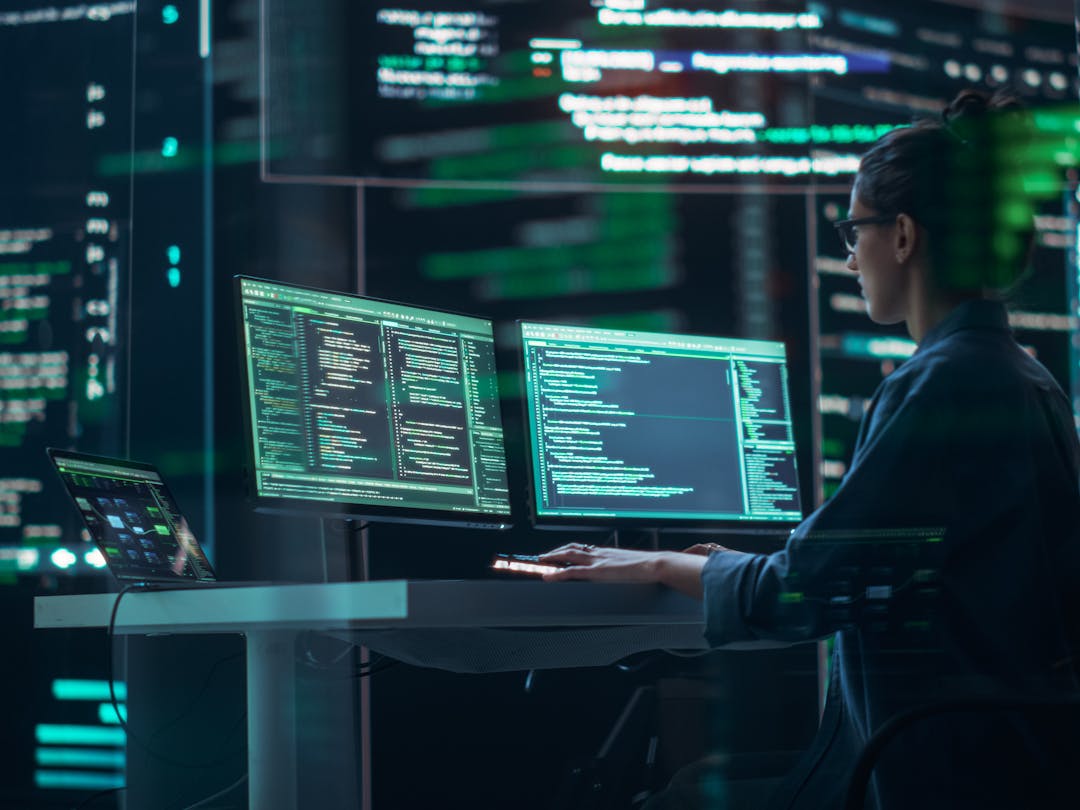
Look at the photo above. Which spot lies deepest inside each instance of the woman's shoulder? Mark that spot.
(930, 369)
(972, 362)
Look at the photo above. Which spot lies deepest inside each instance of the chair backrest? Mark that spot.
(855, 798)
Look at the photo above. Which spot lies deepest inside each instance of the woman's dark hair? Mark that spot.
(954, 176)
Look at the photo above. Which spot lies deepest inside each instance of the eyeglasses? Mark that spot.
(848, 228)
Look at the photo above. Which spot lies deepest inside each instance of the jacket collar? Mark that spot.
(974, 314)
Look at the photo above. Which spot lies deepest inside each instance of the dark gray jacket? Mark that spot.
(946, 565)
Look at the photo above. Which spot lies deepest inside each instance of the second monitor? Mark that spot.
(364, 407)
(658, 430)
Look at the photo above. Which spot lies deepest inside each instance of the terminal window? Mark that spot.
(372, 403)
(651, 426)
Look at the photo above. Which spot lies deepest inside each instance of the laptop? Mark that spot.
(134, 521)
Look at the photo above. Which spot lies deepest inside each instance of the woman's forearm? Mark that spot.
(680, 571)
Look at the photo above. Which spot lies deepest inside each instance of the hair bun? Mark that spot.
(967, 104)
(966, 116)
(971, 105)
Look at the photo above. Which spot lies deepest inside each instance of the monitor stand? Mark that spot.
(344, 550)
(345, 559)
(636, 538)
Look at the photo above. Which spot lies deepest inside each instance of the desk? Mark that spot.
(571, 616)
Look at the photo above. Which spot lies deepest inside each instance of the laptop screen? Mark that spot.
(133, 519)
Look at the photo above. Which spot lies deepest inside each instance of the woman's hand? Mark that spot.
(704, 549)
(600, 564)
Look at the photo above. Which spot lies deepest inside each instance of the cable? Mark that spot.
(312, 662)
(645, 658)
(390, 663)
(110, 634)
(93, 797)
(218, 795)
(688, 653)
(887, 731)
(365, 672)
(191, 703)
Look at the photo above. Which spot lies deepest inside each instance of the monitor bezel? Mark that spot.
(764, 529)
(281, 505)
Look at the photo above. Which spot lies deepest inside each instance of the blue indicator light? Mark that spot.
(170, 14)
(169, 147)
(79, 757)
(109, 716)
(78, 780)
(48, 734)
(72, 689)
(174, 277)
(173, 253)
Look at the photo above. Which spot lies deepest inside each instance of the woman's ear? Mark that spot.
(906, 238)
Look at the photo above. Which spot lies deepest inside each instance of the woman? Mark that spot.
(970, 440)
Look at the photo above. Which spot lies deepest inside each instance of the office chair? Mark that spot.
(855, 798)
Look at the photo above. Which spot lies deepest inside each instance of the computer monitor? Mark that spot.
(658, 430)
(369, 408)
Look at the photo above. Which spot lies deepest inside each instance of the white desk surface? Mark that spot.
(463, 625)
(389, 604)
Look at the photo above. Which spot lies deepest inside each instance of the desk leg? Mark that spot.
(271, 719)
